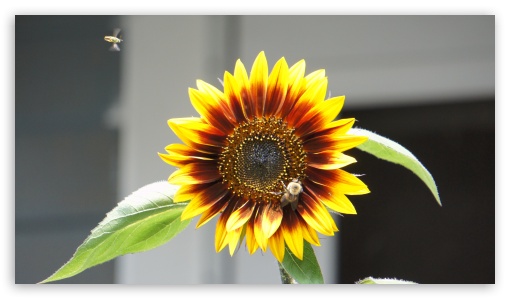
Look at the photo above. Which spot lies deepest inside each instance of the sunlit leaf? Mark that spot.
(144, 220)
(391, 151)
(371, 280)
(306, 271)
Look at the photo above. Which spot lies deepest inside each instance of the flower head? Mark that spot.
(266, 155)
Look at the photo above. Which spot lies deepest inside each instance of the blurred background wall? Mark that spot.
(89, 124)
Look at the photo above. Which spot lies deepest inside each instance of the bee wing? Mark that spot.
(294, 205)
(114, 47)
(116, 32)
(285, 200)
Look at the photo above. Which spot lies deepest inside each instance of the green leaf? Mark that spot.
(371, 280)
(146, 219)
(391, 151)
(306, 271)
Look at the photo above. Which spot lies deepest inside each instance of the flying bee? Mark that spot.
(290, 193)
(114, 39)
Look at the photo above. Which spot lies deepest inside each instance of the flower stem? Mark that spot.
(285, 276)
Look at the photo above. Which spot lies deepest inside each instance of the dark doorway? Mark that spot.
(400, 231)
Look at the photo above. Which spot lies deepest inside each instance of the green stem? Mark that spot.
(285, 276)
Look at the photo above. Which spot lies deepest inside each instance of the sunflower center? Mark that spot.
(260, 162)
(259, 155)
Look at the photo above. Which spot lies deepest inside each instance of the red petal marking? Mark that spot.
(195, 173)
(335, 128)
(175, 160)
(277, 88)
(297, 82)
(204, 200)
(233, 96)
(210, 110)
(319, 117)
(308, 101)
(244, 86)
(221, 239)
(217, 96)
(240, 215)
(297, 86)
(188, 191)
(328, 143)
(199, 133)
(180, 155)
(184, 150)
(338, 179)
(204, 148)
(213, 210)
(333, 198)
(316, 215)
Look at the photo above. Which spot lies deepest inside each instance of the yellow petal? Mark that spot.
(233, 96)
(217, 96)
(309, 234)
(220, 240)
(187, 192)
(339, 203)
(198, 132)
(243, 83)
(271, 219)
(222, 237)
(329, 160)
(339, 143)
(251, 242)
(239, 216)
(259, 235)
(204, 200)
(213, 113)
(319, 116)
(277, 245)
(180, 155)
(258, 83)
(315, 76)
(277, 88)
(316, 215)
(350, 184)
(241, 75)
(212, 91)
(313, 95)
(214, 210)
(332, 197)
(234, 239)
(195, 173)
(342, 125)
(293, 235)
(296, 87)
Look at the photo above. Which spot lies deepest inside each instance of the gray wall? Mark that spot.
(65, 150)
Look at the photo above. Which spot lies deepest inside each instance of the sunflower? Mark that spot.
(266, 155)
